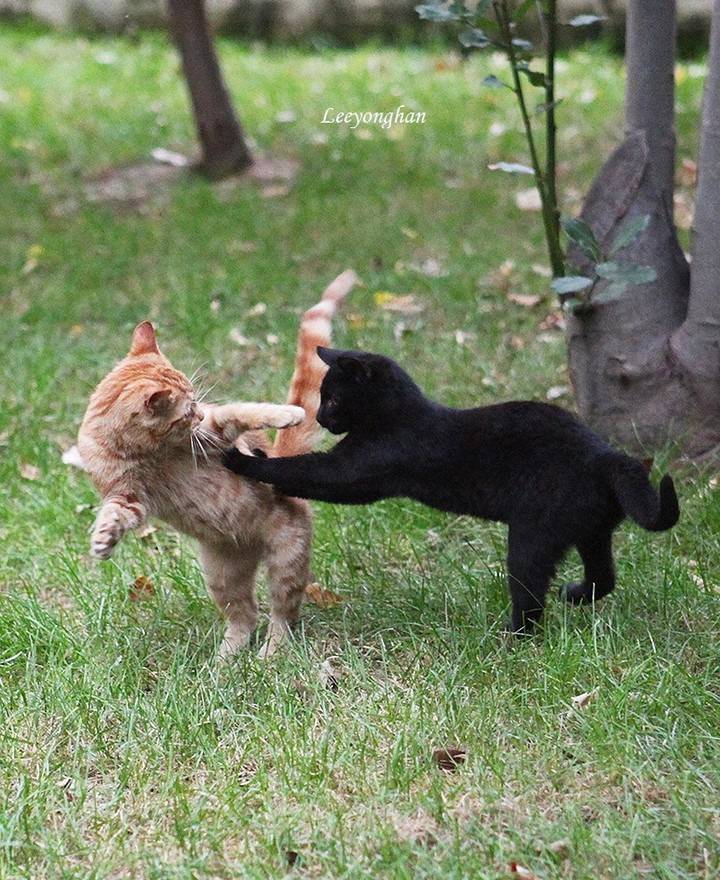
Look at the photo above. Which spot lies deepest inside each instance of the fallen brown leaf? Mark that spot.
(464, 336)
(582, 700)
(500, 277)
(560, 848)
(526, 300)
(430, 267)
(528, 199)
(142, 588)
(274, 191)
(541, 270)
(29, 471)
(556, 392)
(330, 675)
(169, 157)
(553, 321)
(449, 759)
(688, 173)
(320, 596)
(398, 304)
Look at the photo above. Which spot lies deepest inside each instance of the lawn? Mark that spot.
(125, 751)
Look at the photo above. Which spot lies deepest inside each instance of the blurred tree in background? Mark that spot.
(224, 149)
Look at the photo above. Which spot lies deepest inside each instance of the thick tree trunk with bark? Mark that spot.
(221, 137)
(646, 367)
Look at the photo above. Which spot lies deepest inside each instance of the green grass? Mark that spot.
(125, 752)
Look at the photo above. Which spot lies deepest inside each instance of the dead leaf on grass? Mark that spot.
(398, 304)
(556, 392)
(553, 321)
(462, 337)
(142, 588)
(430, 267)
(73, 458)
(29, 471)
(274, 191)
(541, 270)
(688, 173)
(239, 338)
(528, 199)
(169, 157)
(500, 277)
(257, 310)
(267, 168)
(583, 700)
(449, 759)
(320, 596)
(32, 258)
(330, 675)
(560, 848)
(526, 300)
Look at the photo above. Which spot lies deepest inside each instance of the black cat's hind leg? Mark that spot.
(531, 566)
(597, 558)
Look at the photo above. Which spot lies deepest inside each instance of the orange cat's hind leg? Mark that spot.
(288, 562)
(230, 574)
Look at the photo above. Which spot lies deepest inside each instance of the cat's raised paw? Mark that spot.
(288, 416)
(234, 460)
(102, 546)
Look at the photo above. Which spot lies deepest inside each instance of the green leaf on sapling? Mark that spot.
(582, 235)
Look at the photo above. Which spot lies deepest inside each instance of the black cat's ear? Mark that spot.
(328, 356)
(354, 368)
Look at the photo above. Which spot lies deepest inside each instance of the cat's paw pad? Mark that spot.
(288, 416)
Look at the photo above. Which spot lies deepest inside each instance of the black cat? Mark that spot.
(530, 465)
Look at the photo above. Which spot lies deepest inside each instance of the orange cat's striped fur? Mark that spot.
(151, 449)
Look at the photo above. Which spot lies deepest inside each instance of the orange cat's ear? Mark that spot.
(144, 341)
(158, 402)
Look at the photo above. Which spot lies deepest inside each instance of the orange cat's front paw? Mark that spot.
(104, 540)
(287, 416)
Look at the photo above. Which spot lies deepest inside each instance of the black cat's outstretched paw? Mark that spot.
(235, 461)
(575, 593)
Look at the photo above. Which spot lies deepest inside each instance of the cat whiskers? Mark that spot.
(194, 446)
(203, 437)
(201, 393)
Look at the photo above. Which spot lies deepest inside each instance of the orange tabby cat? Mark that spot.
(152, 449)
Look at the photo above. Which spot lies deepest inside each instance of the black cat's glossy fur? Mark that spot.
(530, 465)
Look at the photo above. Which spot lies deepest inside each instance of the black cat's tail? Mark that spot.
(654, 510)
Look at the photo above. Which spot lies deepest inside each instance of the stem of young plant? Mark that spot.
(557, 262)
(550, 21)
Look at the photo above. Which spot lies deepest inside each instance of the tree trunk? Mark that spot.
(645, 367)
(221, 137)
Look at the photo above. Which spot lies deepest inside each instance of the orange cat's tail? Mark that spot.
(315, 330)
